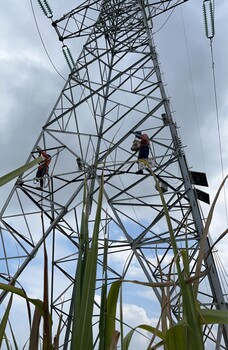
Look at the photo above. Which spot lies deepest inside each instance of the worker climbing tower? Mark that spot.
(114, 93)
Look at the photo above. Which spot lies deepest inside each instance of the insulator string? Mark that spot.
(208, 13)
(45, 8)
(68, 56)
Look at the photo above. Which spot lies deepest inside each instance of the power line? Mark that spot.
(42, 41)
(208, 11)
(192, 87)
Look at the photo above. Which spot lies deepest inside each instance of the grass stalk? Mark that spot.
(82, 322)
(17, 172)
(5, 320)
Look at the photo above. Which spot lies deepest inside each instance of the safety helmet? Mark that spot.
(145, 136)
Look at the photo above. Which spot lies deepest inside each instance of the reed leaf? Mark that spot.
(145, 327)
(157, 346)
(82, 253)
(47, 337)
(114, 340)
(111, 312)
(5, 320)
(111, 316)
(17, 172)
(8, 346)
(194, 338)
(15, 290)
(176, 337)
(56, 337)
(102, 320)
(13, 336)
(34, 334)
(205, 234)
(82, 323)
(212, 316)
(217, 241)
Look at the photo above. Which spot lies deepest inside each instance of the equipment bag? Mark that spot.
(136, 145)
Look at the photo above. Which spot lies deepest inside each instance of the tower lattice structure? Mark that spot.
(114, 90)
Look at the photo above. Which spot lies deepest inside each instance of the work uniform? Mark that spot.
(143, 152)
(43, 167)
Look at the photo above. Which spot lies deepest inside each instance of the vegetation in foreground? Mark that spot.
(183, 334)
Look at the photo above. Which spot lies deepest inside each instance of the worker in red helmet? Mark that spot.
(143, 150)
(43, 167)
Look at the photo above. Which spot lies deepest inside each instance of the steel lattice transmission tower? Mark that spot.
(114, 90)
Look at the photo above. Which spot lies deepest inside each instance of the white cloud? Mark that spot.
(30, 86)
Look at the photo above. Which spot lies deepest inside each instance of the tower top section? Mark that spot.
(81, 20)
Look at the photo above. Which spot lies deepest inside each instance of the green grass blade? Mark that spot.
(5, 320)
(159, 345)
(34, 334)
(217, 241)
(82, 338)
(47, 325)
(176, 338)
(194, 339)
(209, 316)
(13, 337)
(111, 312)
(36, 302)
(102, 319)
(114, 341)
(150, 329)
(15, 173)
(205, 234)
(80, 271)
(8, 346)
(57, 336)
(80, 268)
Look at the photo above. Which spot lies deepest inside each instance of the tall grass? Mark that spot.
(184, 334)
(17, 172)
